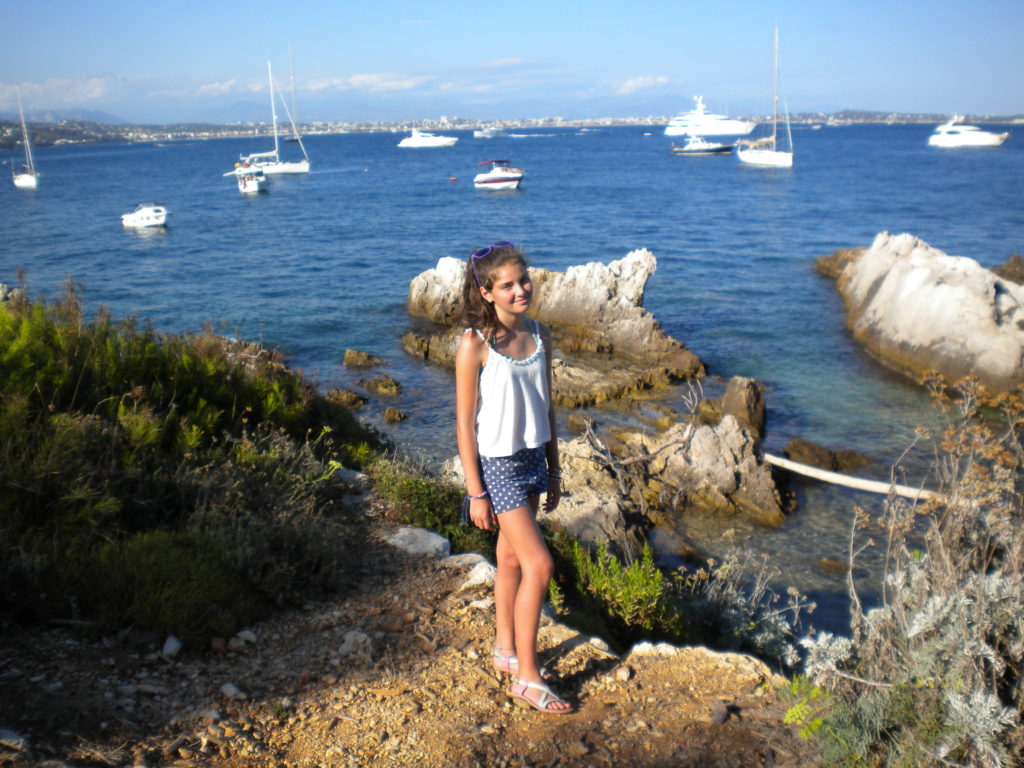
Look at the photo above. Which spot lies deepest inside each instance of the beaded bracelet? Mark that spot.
(483, 495)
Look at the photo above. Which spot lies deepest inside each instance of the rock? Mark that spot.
(231, 691)
(816, 455)
(917, 310)
(831, 567)
(482, 574)
(743, 399)
(465, 560)
(593, 310)
(420, 541)
(357, 644)
(345, 398)
(356, 359)
(833, 264)
(236, 644)
(172, 646)
(709, 468)
(247, 636)
(1012, 270)
(393, 415)
(382, 385)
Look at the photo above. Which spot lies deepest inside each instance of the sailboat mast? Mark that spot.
(24, 135)
(775, 91)
(273, 109)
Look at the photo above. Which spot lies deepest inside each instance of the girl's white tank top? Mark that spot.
(513, 402)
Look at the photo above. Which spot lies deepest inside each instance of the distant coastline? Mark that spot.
(64, 132)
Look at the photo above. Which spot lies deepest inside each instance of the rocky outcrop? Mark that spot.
(918, 309)
(816, 455)
(608, 346)
(1012, 269)
(711, 469)
(743, 399)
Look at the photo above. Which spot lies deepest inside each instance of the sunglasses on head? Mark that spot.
(483, 253)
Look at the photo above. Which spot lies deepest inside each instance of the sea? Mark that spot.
(322, 262)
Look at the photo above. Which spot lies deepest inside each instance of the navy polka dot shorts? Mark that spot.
(512, 480)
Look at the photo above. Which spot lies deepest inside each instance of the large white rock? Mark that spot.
(420, 541)
(919, 309)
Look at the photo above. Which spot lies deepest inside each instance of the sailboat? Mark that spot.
(28, 176)
(270, 162)
(772, 151)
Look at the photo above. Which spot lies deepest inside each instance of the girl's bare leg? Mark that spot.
(506, 585)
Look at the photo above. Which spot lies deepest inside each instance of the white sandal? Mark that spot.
(509, 665)
(547, 696)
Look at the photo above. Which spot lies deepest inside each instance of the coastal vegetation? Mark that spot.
(187, 484)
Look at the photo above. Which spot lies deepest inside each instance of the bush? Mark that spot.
(932, 675)
(116, 441)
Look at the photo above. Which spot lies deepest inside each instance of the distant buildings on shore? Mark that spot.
(83, 132)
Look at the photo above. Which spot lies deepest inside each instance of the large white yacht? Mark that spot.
(699, 122)
(954, 135)
(420, 139)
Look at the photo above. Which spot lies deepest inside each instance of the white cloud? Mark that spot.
(217, 89)
(374, 83)
(639, 83)
(503, 63)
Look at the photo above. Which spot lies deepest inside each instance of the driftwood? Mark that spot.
(858, 483)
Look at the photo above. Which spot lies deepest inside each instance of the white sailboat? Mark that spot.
(270, 162)
(772, 151)
(28, 176)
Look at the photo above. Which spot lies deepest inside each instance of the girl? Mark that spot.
(506, 430)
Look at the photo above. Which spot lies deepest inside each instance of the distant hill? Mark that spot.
(54, 116)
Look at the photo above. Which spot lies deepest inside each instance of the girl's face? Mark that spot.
(511, 289)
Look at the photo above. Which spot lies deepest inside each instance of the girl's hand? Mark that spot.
(554, 494)
(482, 514)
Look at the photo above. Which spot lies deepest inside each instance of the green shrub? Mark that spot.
(932, 674)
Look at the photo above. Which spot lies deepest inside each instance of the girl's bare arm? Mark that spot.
(470, 357)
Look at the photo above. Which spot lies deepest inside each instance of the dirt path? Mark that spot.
(422, 694)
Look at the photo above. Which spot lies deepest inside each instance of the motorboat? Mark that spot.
(251, 178)
(954, 135)
(489, 132)
(146, 215)
(27, 177)
(270, 161)
(698, 145)
(699, 122)
(423, 139)
(501, 176)
(775, 151)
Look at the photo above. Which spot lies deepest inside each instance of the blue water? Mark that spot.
(323, 262)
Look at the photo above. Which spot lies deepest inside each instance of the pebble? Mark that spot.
(172, 646)
(232, 691)
(248, 636)
(236, 644)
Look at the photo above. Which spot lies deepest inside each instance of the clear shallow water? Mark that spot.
(323, 262)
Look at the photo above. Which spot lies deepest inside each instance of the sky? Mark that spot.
(402, 60)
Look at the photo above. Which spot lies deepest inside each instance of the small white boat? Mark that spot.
(489, 132)
(501, 176)
(775, 151)
(146, 215)
(956, 135)
(423, 139)
(270, 161)
(28, 176)
(251, 178)
(698, 145)
(700, 122)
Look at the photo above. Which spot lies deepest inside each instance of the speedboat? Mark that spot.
(421, 139)
(251, 178)
(700, 122)
(501, 176)
(698, 145)
(146, 215)
(954, 134)
(489, 132)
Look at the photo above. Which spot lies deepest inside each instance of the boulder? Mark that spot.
(712, 469)
(355, 358)
(743, 399)
(816, 455)
(1012, 269)
(607, 346)
(918, 309)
